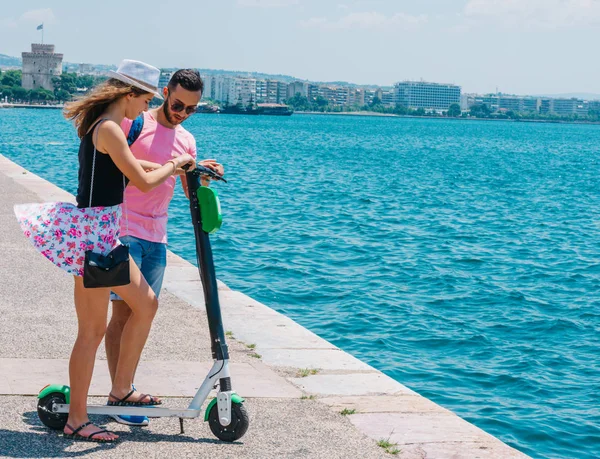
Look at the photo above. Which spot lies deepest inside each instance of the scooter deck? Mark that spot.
(151, 412)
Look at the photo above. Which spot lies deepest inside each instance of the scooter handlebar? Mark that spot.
(203, 170)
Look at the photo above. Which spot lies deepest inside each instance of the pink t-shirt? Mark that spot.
(147, 212)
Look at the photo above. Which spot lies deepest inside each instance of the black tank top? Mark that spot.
(108, 179)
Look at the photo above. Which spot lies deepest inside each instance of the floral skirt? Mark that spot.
(62, 232)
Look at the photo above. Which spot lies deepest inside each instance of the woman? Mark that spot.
(63, 232)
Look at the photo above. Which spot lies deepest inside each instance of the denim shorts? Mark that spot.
(150, 257)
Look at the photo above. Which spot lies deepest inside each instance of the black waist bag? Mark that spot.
(111, 270)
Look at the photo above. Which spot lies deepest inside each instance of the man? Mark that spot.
(145, 229)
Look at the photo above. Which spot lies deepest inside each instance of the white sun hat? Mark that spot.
(138, 74)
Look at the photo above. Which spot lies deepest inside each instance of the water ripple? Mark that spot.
(460, 258)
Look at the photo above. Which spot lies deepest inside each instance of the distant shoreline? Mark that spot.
(392, 115)
(47, 107)
(361, 113)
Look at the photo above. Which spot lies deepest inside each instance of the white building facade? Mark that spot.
(426, 95)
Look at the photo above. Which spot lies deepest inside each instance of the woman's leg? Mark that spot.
(91, 306)
(143, 304)
(120, 310)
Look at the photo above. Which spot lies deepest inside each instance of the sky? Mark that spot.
(513, 46)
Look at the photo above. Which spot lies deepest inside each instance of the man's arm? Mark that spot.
(193, 152)
(185, 186)
(204, 182)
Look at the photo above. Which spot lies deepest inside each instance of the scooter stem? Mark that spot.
(206, 269)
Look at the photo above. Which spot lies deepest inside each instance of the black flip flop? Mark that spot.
(75, 435)
(124, 402)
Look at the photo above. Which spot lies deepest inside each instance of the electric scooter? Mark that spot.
(226, 414)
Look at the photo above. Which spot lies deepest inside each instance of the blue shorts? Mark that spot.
(150, 257)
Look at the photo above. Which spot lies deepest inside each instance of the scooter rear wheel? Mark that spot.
(236, 429)
(56, 421)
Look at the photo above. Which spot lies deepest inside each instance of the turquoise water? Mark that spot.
(460, 258)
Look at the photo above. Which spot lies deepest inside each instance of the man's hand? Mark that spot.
(214, 165)
(204, 180)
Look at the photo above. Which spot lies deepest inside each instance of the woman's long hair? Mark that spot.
(85, 110)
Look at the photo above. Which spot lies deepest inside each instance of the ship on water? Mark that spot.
(256, 109)
(240, 109)
(275, 109)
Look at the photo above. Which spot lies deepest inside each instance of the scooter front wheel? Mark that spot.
(56, 421)
(236, 429)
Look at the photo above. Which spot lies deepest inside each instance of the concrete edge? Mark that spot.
(376, 404)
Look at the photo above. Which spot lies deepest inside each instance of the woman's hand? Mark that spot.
(184, 159)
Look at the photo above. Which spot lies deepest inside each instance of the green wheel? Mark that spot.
(236, 429)
(56, 421)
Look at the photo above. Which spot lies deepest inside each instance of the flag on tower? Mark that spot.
(40, 27)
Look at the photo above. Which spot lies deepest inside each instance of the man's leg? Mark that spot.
(151, 258)
(153, 261)
(114, 331)
(112, 340)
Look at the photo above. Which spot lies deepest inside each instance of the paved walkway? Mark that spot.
(293, 413)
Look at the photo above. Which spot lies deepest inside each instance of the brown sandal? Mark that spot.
(124, 402)
(75, 435)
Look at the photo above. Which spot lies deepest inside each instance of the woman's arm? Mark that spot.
(112, 141)
(149, 165)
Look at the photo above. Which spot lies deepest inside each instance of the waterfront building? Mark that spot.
(501, 102)
(388, 97)
(85, 69)
(518, 104)
(508, 103)
(208, 85)
(369, 95)
(342, 95)
(239, 90)
(211, 87)
(40, 66)
(385, 95)
(165, 77)
(466, 101)
(231, 90)
(329, 93)
(564, 107)
(261, 91)
(297, 87)
(275, 92)
(356, 96)
(426, 95)
(545, 106)
(218, 87)
(529, 104)
(491, 101)
(594, 105)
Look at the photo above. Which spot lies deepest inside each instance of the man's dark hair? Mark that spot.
(188, 79)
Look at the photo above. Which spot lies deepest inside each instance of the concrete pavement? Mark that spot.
(295, 412)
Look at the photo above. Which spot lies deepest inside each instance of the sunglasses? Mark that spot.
(178, 106)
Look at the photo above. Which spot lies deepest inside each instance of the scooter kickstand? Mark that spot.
(181, 425)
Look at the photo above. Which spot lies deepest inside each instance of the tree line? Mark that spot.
(65, 86)
(320, 104)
